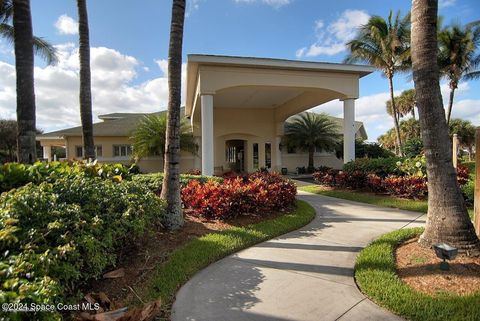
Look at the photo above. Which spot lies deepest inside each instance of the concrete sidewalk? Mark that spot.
(303, 275)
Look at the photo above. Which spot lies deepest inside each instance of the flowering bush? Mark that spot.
(374, 183)
(257, 193)
(194, 171)
(416, 166)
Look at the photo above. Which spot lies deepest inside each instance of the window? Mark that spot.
(79, 151)
(122, 150)
(98, 151)
(255, 156)
(291, 150)
(268, 155)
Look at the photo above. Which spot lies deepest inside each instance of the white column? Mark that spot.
(207, 134)
(278, 154)
(47, 152)
(348, 130)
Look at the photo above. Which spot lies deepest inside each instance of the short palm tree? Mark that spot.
(310, 131)
(384, 44)
(149, 136)
(457, 56)
(40, 46)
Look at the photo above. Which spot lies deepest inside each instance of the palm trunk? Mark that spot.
(171, 181)
(22, 24)
(450, 103)
(85, 81)
(413, 113)
(447, 218)
(311, 151)
(395, 119)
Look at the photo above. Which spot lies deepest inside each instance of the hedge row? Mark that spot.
(56, 236)
(13, 175)
(408, 186)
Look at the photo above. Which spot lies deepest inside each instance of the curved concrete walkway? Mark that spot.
(303, 275)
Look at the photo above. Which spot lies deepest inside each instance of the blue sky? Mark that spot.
(130, 44)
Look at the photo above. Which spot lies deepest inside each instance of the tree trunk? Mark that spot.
(450, 103)
(395, 119)
(171, 180)
(413, 113)
(311, 151)
(22, 24)
(85, 81)
(447, 218)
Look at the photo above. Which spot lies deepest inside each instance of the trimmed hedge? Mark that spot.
(153, 181)
(378, 166)
(13, 175)
(56, 236)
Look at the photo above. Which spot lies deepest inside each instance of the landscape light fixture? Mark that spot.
(445, 252)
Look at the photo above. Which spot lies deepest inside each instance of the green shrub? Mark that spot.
(56, 236)
(13, 175)
(153, 181)
(468, 191)
(416, 166)
(470, 166)
(413, 147)
(378, 166)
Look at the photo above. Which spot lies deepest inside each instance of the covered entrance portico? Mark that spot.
(232, 99)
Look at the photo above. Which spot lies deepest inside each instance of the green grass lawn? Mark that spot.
(369, 198)
(376, 276)
(202, 251)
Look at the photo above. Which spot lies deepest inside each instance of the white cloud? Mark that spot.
(446, 3)
(372, 112)
(331, 40)
(113, 90)
(66, 25)
(273, 3)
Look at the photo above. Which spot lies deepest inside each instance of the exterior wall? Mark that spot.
(255, 126)
(292, 161)
(147, 165)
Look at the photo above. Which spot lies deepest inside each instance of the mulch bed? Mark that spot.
(143, 259)
(419, 267)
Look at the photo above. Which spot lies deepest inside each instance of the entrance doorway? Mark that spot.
(235, 154)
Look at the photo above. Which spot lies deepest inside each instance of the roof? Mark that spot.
(115, 124)
(122, 124)
(268, 63)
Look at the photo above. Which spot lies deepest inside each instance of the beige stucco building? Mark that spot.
(237, 107)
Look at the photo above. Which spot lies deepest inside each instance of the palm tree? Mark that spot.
(23, 43)
(149, 136)
(447, 217)
(386, 46)
(85, 81)
(457, 59)
(465, 131)
(405, 104)
(40, 47)
(310, 131)
(171, 181)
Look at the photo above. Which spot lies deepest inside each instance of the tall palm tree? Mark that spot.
(447, 217)
(457, 58)
(171, 181)
(310, 131)
(22, 24)
(149, 136)
(407, 102)
(384, 44)
(85, 81)
(41, 47)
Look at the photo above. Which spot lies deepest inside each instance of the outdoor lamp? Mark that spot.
(445, 252)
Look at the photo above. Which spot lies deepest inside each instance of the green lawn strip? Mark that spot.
(200, 252)
(379, 200)
(376, 276)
